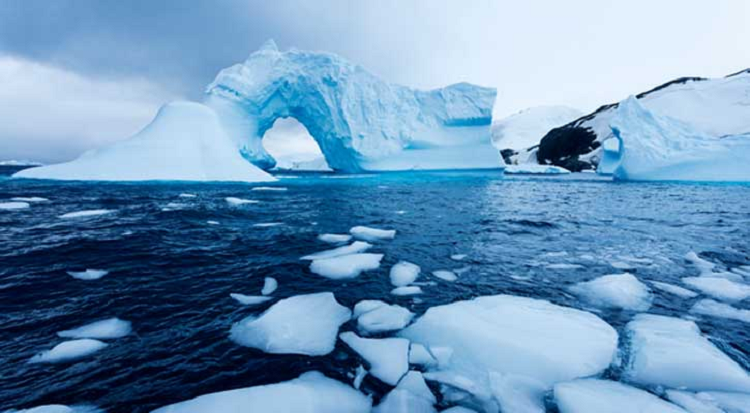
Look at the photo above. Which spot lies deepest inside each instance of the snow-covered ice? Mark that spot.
(388, 357)
(671, 352)
(249, 299)
(269, 286)
(526, 128)
(719, 287)
(69, 351)
(674, 289)
(346, 266)
(372, 234)
(411, 395)
(234, 201)
(353, 248)
(404, 273)
(604, 396)
(88, 275)
(445, 275)
(716, 309)
(15, 205)
(407, 290)
(615, 291)
(311, 392)
(87, 213)
(380, 318)
(335, 238)
(303, 324)
(103, 329)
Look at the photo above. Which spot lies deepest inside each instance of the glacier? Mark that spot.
(652, 147)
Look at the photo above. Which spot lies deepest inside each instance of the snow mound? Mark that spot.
(303, 324)
(249, 299)
(526, 128)
(69, 351)
(10, 206)
(615, 291)
(674, 289)
(603, 396)
(404, 273)
(346, 266)
(269, 286)
(372, 234)
(353, 248)
(659, 348)
(335, 238)
(411, 395)
(103, 329)
(359, 121)
(88, 275)
(86, 214)
(651, 147)
(311, 392)
(184, 142)
(388, 357)
(716, 309)
(532, 169)
(376, 316)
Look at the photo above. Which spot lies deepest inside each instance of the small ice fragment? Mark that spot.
(718, 287)
(267, 224)
(674, 289)
(353, 248)
(209, 222)
(359, 377)
(400, 212)
(408, 290)
(445, 275)
(86, 214)
(388, 357)
(29, 199)
(347, 266)
(185, 195)
(458, 257)
(563, 266)
(716, 309)
(615, 291)
(239, 201)
(418, 354)
(69, 350)
(334, 238)
(88, 275)
(103, 329)
(249, 299)
(174, 205)
(384, 318)
(404, 273)
(269, 286)
(365, 306)
(269, 188)
(372, 234)
(411, 395)
(8, 206)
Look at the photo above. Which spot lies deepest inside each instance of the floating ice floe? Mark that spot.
(604, 396)
(29, 199)
(716, 309)
(186, 195)
(210, 222)
(375, 316)
(710, 402)
(269, 188)
(335, 238)
(719, 287)
(267, 224)
(311, 392)
(249, 299)
(411, 395)
(388, 357)
(615, 291)
(86, 214)
(269, 286)
(346, 266)
(234, 201)
(660, 347)
(674, 289)
(535, 169)
(69, 351)
(404, 273)
(12, 206)
(420, 355)
(303, 324)
(103, 329)
(353, 248)
(458, 257)
(372, 234)
(445, 275)
(88, 275)
(511, 335)
(518, 394)
(59, 408)
(408, 290)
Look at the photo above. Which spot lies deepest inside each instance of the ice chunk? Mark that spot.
(418, 354)
(365, 306)
(347, 266)
(719, 287)
(711, 402)
(705, 267)
(564, 266)
(104, 329)
(9, 206)
(269, 188)
(234, 201)
(211, 222)
(382, 318)
(388, 357)
(717, 309)
(267, 224)
(535, 169)
(59, 408)
(88, 275)
(190, 133)
(604, 396)
(404, 273)
(674, 289)
(335, 238)
(269, 286)
(249, 299)
(517, 394)
(86, 214)
(445, 275)
(303, 324)
(353, 248)
(458, 257)
(616, 291)
(659, 347)
(411, 395)
(311, 392)
(409, 290)
(458, 409)
(68, 351)
(372, 234)
(186, 195)
(29, 199)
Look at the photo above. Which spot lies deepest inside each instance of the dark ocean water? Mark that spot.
(172, 272)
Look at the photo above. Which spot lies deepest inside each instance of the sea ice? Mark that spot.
(419, 354)
(234, 201)
(353, 248)
(604, 396)
(186, 195)
(372, 234)
(365, 306)
(88, 275)
(659, 347)
(335, 238)
(535, 169)
(445, 275)
(711, 402)
(674, 289)
(388, 357)
(103, 329)
(408, 290)
(411, 395)
(10, 206)
(517, 394)
(347, 266)
(360, 375)
(59, 408)
(267, 224)
(269, 188)
(404, 273)
(382, 318)
(311, 392)
(303, 324)
(29, 199)
(249, 299)
(68, 351)
(716, 309)
(269, 286)
(615, 291)
(719, 287)
(86, 214)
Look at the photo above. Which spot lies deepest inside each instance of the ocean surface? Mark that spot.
(171, 271)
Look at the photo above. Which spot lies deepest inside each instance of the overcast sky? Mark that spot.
(75, 74)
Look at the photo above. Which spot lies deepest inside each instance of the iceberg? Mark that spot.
(103, 329)
(524, 130)
(652, 147)
(604, 396)
(303, 324)
(360, 122)
(69, 351)
(615, 291)
(311, 392)
(184, 142)
(388, 357)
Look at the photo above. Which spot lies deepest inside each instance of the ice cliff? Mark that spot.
(360, 122)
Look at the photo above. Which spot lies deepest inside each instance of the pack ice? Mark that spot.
(603, 396)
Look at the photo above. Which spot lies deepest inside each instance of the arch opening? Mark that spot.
(292, 146)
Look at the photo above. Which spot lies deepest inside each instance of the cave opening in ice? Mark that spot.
(289, 142)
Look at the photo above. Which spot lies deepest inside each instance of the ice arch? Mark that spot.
(291, 145)
(359, 121)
